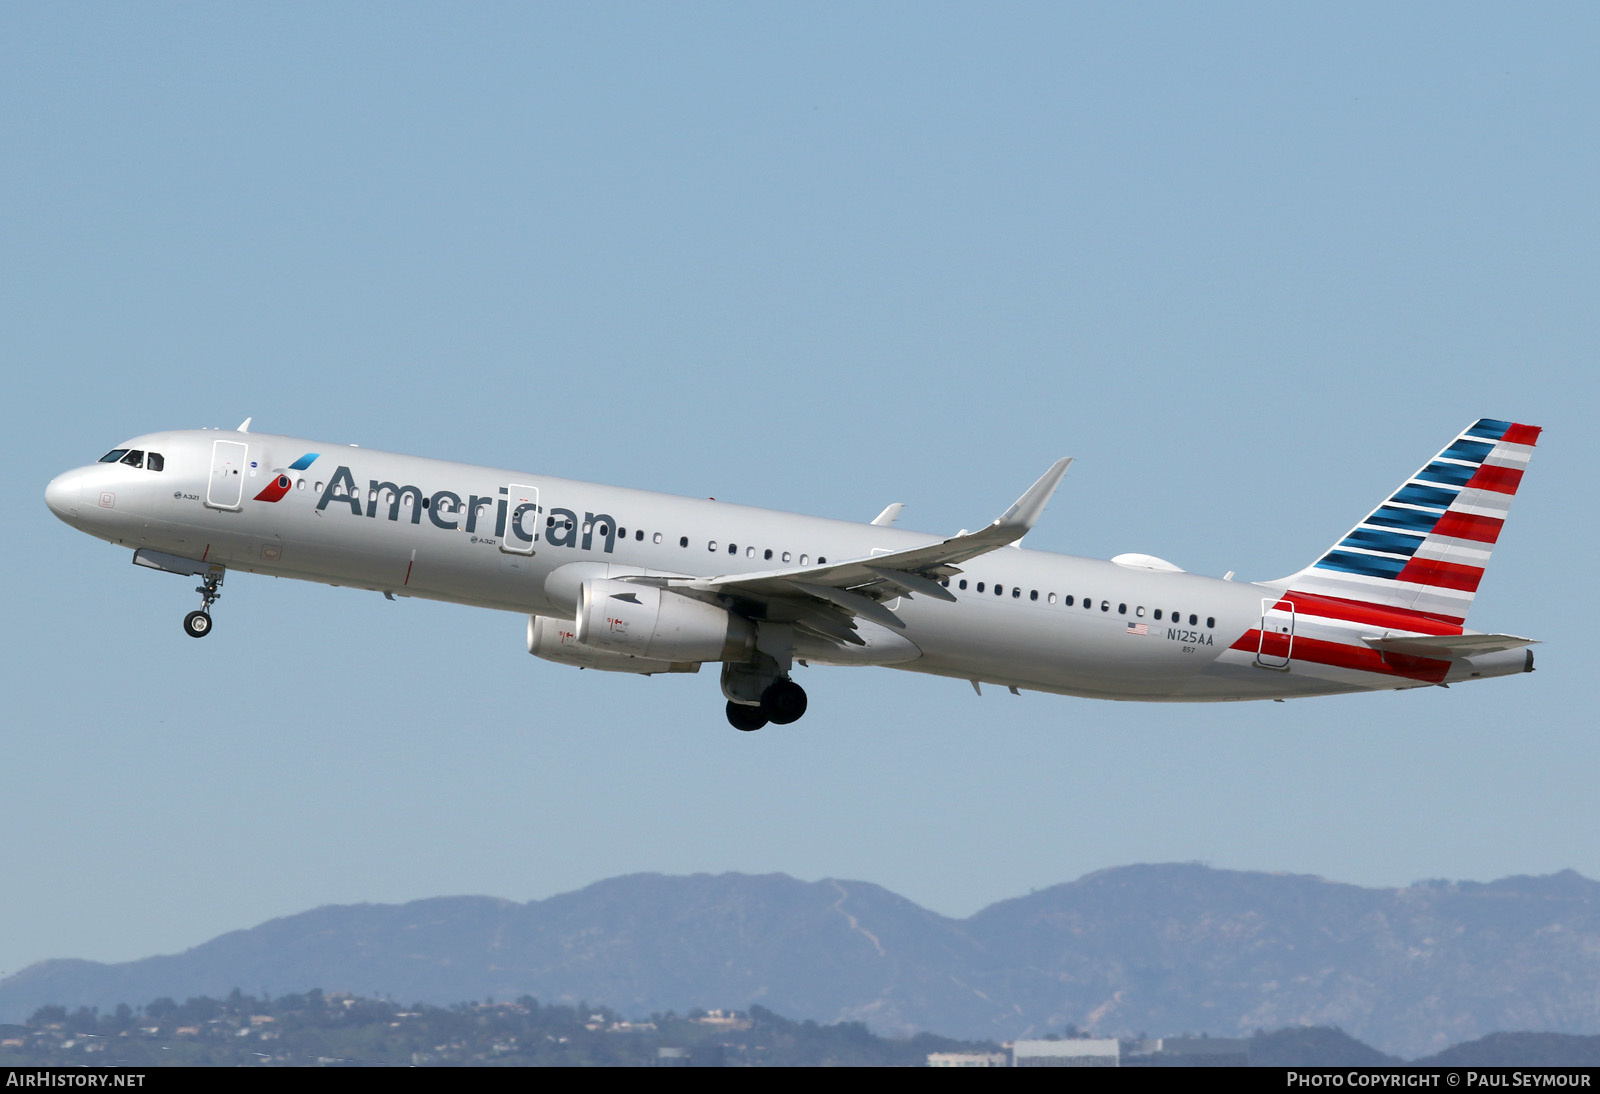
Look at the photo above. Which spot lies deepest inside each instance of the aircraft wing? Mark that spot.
(828, 599)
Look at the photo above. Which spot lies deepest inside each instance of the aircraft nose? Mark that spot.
(63, 493)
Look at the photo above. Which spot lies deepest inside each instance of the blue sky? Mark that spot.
(1251, 264)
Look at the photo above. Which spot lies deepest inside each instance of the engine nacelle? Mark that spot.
(557, 640)
(625, 617)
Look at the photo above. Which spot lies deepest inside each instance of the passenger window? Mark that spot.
(319, 488)
(301, 485)
(1105, 605)
(980, 586)
(963, 583)
(767, 554)
(683, 541)
(639, 536)
(712, 546)
(134, 458)
(999, 590)
(786, 556)
(1139, 611)
(1033, 594)
(749, 552)
(1052, 598)
(1016, 593)
(733, 548)
(1211, 621)
(154, 462)
(1122, 609)
(1193, 619)
(1158, 613)
(805, 560)
(653, 539)
(821, 561)
(1068, 600)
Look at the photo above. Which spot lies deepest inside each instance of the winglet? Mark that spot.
(244, 426)
(1025, 512)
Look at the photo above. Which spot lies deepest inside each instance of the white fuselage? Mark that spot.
(428, 528)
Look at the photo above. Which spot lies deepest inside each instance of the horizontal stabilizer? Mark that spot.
(1449, 645)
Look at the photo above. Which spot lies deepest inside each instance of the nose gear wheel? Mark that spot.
(197, 624)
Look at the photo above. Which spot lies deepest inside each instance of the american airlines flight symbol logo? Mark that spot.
(279, 486)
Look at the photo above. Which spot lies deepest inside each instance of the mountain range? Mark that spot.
(1157, 950)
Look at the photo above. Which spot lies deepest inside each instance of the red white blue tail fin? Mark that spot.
(1423, 551)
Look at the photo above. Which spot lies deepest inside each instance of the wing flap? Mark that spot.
(914, 583)
(854, 603)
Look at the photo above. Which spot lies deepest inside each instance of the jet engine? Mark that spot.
(625, 617)
(557, 640)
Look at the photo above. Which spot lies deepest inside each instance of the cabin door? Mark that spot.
(225, 487)
(1277, 633)
(522, 520)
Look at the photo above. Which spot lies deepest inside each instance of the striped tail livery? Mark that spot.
(1391, 597)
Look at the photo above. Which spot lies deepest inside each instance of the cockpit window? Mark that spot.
(134, 458)
(154, 462)
(114, 455)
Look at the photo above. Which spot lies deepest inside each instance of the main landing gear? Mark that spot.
(197, 624)
(783, 702)
(758, 689)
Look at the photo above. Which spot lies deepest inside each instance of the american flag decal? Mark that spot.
(1138, 628)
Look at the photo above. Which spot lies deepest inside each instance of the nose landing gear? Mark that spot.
(197, 624)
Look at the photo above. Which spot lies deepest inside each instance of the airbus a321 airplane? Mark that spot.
(628, 581)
